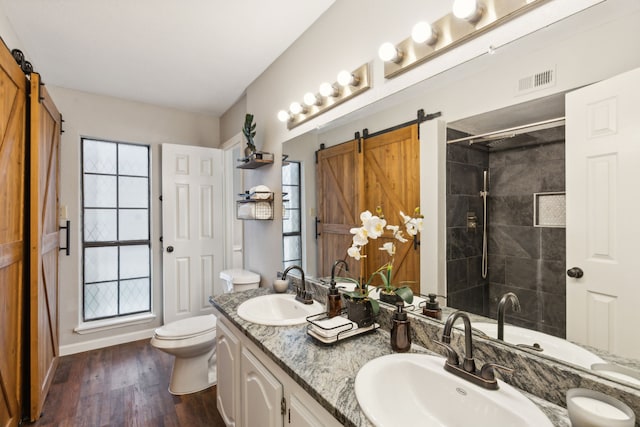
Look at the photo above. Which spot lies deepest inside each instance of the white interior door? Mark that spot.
(603, 145)
(192, 229)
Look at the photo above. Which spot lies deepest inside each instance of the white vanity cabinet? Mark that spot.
(253, 391)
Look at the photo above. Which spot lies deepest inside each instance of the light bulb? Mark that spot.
(311, 99)
(296, 108)
(423, 32)
(283, 116)
(327, 89)
(467, 9)
(345, 78)
(388, 52)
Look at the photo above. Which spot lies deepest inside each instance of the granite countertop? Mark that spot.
(328, 373)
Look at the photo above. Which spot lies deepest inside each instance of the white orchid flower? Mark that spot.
(413, 225)
(399, 237)
(389, 247)
(397, 233)
(354, 252)
(374, 226)
(359, 236)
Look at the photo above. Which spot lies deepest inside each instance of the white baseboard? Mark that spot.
(105, 342)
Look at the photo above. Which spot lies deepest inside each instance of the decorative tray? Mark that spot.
(331, 330)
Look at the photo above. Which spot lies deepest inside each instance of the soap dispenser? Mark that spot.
(432, 308)
(400, 330)
(334, 301)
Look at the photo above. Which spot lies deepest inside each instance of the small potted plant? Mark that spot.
(249, 132)
(374, 226)
(361, 309)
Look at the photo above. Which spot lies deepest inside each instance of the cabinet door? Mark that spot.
(228, 368)
(300, 415)
(261, 394)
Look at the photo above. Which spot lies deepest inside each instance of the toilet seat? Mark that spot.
(187, 328)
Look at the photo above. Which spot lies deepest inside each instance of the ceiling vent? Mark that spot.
(538, 81)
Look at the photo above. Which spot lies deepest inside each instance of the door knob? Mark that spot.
(575, 272)
(169, 249)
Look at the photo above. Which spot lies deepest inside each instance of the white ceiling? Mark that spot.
(194, 55)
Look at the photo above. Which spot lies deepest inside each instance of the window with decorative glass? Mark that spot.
(291, 214)
(116, 229)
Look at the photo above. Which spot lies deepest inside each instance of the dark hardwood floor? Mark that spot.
(124, 385)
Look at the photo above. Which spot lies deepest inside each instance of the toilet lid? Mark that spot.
(187, 328)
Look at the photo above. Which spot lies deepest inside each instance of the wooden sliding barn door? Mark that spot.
(339, 193)
(382, 170)
(44, 160)
(13, 88)
(392, 181)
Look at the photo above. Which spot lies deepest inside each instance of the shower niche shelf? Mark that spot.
(549, 209)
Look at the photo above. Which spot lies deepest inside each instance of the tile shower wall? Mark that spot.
(466, 289)
(526, 260)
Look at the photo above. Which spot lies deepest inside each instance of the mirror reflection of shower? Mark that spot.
(485, 195)
(509, 253)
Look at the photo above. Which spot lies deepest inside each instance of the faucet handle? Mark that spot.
(452, 356)
(487, 370)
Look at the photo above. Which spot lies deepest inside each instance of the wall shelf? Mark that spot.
(257, 205)
(255, 160)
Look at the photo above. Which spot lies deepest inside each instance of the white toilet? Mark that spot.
(239, 280)
(193, 343)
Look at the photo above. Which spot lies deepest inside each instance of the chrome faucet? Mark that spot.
(302, 294)
(333, 271)
(515, 304)
(485, 376)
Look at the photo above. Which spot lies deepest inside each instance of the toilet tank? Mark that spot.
(239, 280)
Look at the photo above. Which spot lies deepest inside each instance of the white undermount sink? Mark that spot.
(277, 310)
(418, 391)
(550, 345)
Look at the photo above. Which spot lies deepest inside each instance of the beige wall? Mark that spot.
(89, 115)
(232, 120)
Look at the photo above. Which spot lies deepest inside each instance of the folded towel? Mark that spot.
(324, 327)
(247, 211)
(260, 192)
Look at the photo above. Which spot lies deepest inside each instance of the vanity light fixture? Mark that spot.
(328, 90)
(297, 108)
(348, 85)
(423, 32)
(468, 19)
(470, 10)
(390, 53)
(284, 116)
(347, 78)
(310, 99)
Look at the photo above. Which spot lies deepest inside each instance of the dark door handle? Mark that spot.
(169, 249)
(575, 272)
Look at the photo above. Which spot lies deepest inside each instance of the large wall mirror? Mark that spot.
(522, 173)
